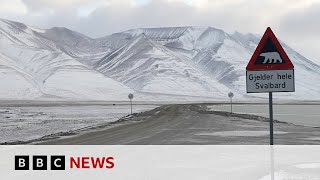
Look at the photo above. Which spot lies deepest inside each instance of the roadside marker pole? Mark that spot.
(231, 105)
(230, 95)
(130, 96)
(271, 118)
(131, 105)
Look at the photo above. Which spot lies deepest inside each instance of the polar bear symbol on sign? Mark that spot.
(271, 57)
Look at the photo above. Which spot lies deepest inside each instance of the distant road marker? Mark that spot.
(230, 95)
(130, 96)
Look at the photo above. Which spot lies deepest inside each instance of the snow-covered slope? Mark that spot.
(34, 67)
(155, 63)
(220, 56)
(146, 66)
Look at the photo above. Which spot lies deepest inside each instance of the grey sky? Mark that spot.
(293, 21)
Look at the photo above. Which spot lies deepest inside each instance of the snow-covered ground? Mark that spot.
(32, 122)
(240, 133)
(305, 115)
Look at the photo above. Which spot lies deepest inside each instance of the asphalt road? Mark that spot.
(192, 124)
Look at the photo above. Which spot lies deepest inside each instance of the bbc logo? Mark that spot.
(39, 163)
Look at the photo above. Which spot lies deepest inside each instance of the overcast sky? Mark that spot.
(296, 22)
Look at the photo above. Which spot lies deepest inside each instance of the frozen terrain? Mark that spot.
(33, 122)
(173, 64)
(193, 124)
(305, 115)
(33, 67)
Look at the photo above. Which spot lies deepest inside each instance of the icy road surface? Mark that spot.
(32, 122)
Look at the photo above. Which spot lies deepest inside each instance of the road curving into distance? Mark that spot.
(192, 124)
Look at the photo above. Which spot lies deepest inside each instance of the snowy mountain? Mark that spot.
(219, 57)
(155, 63)
(32, 67)
(147, 66)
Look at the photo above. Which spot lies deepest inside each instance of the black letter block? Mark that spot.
(39, 162)
(21, 162)
(58, 163)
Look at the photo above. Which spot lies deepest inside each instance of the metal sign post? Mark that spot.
(271, 118)
(230, 95)
(231, 105)
(130, 96)
(131, 105)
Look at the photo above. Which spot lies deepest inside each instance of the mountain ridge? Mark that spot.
(174, 61)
